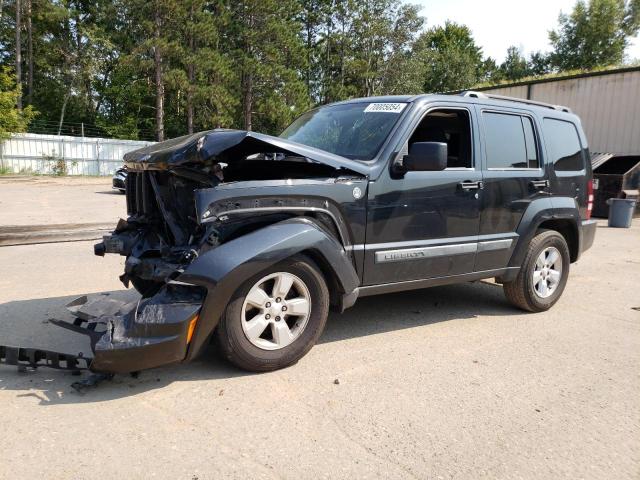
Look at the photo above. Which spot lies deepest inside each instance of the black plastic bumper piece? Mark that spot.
(148, 334)
(587, 234)
(127, 334)
(34, 358)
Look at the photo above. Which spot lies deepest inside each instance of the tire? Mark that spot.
(239, 342)
(528, 292)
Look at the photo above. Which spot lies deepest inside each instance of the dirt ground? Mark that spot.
(448, 382)
(46, 200)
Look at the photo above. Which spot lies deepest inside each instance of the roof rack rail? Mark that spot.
(473, 94)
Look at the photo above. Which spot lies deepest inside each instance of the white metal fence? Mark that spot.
(58, 154)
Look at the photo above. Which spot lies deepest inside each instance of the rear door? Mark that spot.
(514, 175)
(569, 164)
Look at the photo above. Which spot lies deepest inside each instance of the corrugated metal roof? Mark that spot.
(598, 159)
(558, 78)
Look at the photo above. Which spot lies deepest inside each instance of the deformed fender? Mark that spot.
(222, 270)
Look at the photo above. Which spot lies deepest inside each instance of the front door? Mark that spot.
(425, 224)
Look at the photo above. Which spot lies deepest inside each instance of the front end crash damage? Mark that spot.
(262, 198)
(188, 195)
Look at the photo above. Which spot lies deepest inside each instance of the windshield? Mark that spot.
(352, 130)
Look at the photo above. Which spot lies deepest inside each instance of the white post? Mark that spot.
(98, 155)
(1, 152)
(62, 151)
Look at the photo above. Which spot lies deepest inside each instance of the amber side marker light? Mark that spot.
(192, 327)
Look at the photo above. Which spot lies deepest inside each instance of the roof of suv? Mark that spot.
(470, 97)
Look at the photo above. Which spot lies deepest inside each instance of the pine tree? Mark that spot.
(203, 77)
(268, 53)
(401, 71)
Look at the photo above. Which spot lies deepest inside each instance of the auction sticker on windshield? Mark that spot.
(385, 107)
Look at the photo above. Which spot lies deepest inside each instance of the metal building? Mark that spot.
(608, 103)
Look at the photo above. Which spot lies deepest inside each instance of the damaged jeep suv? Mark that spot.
(250, 239)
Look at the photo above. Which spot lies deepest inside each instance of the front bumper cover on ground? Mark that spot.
(127, 333)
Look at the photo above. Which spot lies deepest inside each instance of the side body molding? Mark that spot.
(223, 269)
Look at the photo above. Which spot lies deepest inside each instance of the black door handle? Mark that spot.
(468, 185)
(539, 183)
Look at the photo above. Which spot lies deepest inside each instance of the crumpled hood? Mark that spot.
(225, 145)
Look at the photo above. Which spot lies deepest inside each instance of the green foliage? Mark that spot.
(12, 120)
(452, 59)
(141, 69)
(58, 165)
(515, 65)
(539, 64)
(595, 34)
(268, 51)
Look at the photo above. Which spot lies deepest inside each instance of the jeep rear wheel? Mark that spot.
(543, 275)
(275, 317)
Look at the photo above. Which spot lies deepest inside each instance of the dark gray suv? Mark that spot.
(250, 239)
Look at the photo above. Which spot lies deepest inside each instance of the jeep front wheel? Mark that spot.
(543, 275)
(275, 317)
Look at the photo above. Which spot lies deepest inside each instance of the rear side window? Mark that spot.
(563, 144)
(510, 141)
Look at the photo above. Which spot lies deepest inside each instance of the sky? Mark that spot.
(497, 24)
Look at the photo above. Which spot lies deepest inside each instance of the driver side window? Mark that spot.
(449, 126)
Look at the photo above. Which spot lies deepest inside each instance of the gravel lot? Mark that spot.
(45, 200)
(449, 382)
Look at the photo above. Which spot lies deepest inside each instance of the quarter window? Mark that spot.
(564, 145)
(510, 141)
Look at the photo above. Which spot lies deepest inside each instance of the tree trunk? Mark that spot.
(157, 57)
(190, 71)
(191, 77)
(309, 30)
(327, 67)
(18, 53)
(247, 78)
(29, 54)
(62, 112)
(247, 99)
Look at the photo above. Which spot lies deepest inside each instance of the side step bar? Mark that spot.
(34, 358)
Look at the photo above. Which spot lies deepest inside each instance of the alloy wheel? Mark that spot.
(547, 272)
(276, 311)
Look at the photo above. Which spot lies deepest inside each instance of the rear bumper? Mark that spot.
(587, 234)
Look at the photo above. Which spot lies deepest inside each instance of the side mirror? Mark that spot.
(425, 157)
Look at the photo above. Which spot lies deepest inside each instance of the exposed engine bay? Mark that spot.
(191, 194)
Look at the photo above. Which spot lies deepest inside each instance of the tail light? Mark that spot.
(589, 198)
